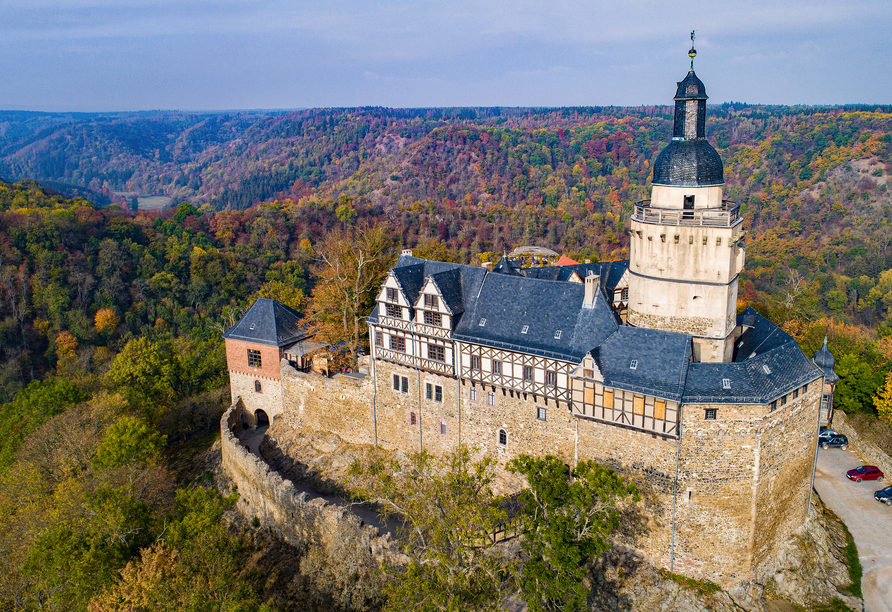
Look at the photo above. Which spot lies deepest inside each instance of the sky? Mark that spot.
(124, 55)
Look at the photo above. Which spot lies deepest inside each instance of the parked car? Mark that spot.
(865, 472)
(884, 495)
(826, 434)
(836, 440)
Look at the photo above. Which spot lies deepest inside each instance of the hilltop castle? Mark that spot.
(641, 365)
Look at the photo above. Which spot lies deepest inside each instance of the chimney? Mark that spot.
(591, 289)
(406, 252)
(487, 265)
(588, 261)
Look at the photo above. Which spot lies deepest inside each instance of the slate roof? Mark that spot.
(610, 272)
(662, 360)
(268, 322)
(760, 346)
(449, 284)
(689, 163)
(691, 88)
(508, 303)
(825, 360)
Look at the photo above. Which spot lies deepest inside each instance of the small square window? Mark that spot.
(437, 353)
(475, 362)
(503, 437)
(258, 388)
(482, 322)
(254, 360)
(633, 365)
(540, 413)
(431, 301)
(557, 335)
(391, 295)
(766, 369)
(398, 344)
(588, 373)
(551, 378)
(496, 366)
(394, 311)
(718, 242)
(726, 383)
(524, 329)
(472, 395)
(434, 319)
(625, 294)
(710, 414)
(528, 373)
(491, 398)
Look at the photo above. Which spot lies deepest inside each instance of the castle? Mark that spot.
(641, 365)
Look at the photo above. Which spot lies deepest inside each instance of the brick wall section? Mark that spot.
(237, 359)
(868, 451)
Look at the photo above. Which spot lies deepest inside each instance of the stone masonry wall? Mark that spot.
(297, 518)
(869, 451)
(269, 399)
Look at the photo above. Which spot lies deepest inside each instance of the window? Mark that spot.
(431, 301)
(638, 405)
(765, 367)
(503, 437)
(726, 383)
(258, 388)
(795, 393)
(405, 381)
(437, 353)
(442, 428)
(434, 392)
(524, 329)
(482, 322)
(633, 365)
(396, 382)
(413, 420)
(783, 400)
(379, 339)
(608, 399)
(253, 358)
(659, 410)
(540, 413)
(557, 335)
(433, 318)
(705, 240)
(472, 395)
(391, 295)
(475, 362)
(773, 405)
(551, 378)
(398, 344)
(588, 373)
(718, 242)
(491, 398)
(394, 311)
(710, 414)
(400, 383)
(496, 366)
(528, 372)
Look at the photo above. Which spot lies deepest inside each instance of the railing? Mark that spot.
(430, 330)
(727, 215)
(413, 362)
(395, 323)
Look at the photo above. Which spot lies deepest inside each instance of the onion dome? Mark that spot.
(689, 160)
(825, 360)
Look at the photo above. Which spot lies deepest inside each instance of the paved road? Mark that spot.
(869, 521)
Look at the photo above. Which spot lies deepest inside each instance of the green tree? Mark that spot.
(858, 383)
(567, 518)
(449, 514)
(882, 401)
(130, 442)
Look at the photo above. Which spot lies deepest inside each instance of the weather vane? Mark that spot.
(693, 52)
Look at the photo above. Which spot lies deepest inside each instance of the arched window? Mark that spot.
(503, 437)
(258, 387)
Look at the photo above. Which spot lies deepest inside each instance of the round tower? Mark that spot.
(685, 252)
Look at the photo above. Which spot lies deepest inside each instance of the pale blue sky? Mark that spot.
(105, 55)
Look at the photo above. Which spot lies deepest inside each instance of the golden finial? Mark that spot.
(693, 52)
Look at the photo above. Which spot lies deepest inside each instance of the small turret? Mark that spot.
(825, 360)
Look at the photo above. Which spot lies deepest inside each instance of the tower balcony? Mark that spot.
(726, 215)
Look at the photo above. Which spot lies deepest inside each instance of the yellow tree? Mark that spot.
(882, 401)
(350, 266)
(106, 321)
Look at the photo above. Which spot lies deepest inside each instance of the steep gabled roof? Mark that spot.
(268, 322)
(611, 272)
(449, 284)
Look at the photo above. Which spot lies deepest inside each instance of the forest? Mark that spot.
(112, 371)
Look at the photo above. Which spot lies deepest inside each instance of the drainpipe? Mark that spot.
(458, 388)
(814, 465)
(374, 382)
(675, 492)
(416, 355)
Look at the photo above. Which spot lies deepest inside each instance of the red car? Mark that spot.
(865, 472)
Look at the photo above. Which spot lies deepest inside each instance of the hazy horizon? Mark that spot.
(239, 55)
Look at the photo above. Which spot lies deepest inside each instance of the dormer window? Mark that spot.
(394, 311)
(557, 335)
(431, 301)
(726, 383)
(633, 365)
(766, 369)
(392, 295)
(482, 322)
(253, 325)
(524, 329)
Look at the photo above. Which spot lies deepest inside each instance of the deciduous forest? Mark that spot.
(112, 370)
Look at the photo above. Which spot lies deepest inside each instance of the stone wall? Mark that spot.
(268, 399)
(869, 451)
(299, 519)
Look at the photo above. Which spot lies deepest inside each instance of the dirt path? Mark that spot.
(869, 521)
(252, 438)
